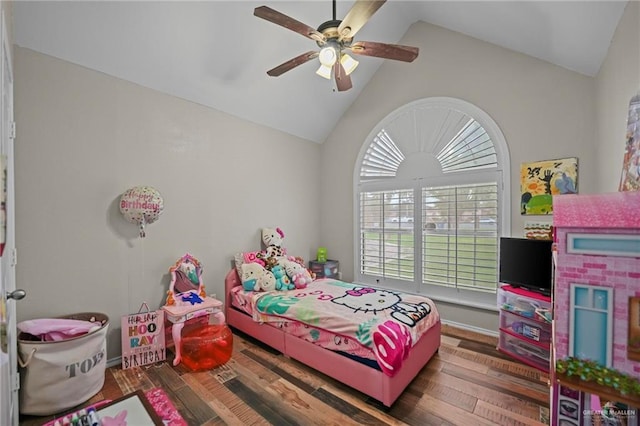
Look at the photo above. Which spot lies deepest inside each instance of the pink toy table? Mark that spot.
(178, 315)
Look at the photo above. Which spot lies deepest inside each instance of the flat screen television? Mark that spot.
(526, 263)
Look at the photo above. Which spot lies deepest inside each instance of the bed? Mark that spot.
(354, 371)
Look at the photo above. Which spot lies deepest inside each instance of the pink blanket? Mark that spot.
(54, 329)
(387, 322)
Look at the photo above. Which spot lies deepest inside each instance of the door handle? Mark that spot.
(16, 294)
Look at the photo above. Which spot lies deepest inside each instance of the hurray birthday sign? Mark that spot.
(143, 339)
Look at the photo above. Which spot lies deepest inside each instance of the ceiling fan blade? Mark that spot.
(292, 63)
(283, 20)
(355, 19)
(343, 81)
(396, 52)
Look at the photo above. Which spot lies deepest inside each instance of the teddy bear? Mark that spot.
(297, 273)
(270, 262)
(282, 280)
(272, 239)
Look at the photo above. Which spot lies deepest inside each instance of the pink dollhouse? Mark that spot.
(596, 293)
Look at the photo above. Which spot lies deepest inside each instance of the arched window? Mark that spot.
(432, 198)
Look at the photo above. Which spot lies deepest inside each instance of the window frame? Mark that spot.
(500, 174)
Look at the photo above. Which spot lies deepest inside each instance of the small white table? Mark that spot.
(179, 314)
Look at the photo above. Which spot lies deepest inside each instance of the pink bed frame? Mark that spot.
(367, 380)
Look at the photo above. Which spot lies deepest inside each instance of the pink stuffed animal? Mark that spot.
(298, 274)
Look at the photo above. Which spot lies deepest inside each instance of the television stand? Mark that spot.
(525, 326)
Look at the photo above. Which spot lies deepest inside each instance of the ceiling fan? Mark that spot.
(334, 38)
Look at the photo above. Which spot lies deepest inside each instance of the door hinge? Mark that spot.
(12, 130)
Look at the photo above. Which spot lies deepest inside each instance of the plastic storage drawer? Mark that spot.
(527, 328)
(328, 269)
(528, 352)
(524, 303)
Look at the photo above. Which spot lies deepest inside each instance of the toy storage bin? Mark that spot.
(58, 375)
(526, 327)
(529, 352)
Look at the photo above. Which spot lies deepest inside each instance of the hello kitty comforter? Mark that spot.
(387, 322)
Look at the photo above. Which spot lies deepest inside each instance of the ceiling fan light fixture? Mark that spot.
(333, 38)
(348, 63)
(328, 56)
(324, 71)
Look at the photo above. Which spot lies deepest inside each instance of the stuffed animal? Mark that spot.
(297, 273)
(252, 276)
(256, 278)
(270, 262)
(268, 281)
(272, 239)
(296, 259)
(282, 280)
(300, 260)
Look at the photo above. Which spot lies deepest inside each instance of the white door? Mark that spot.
(9, 381)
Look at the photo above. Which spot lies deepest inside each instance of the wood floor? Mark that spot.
(467, 383)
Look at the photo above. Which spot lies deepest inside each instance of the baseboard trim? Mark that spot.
(114, 361)
(492, 333)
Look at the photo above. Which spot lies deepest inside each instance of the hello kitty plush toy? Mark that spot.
(251, 274)
(268, 281)
(272, 239)
(297, 273)
(256, 278)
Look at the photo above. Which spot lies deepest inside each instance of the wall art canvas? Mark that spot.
(541, 180)
(630, 179)
(538, 230)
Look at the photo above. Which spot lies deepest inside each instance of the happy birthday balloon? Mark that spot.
(141, 205)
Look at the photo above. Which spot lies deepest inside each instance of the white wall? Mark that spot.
(85, 137)
(544, 111)
(617, 82)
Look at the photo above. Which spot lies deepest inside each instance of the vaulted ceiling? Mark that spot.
(216, 53)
